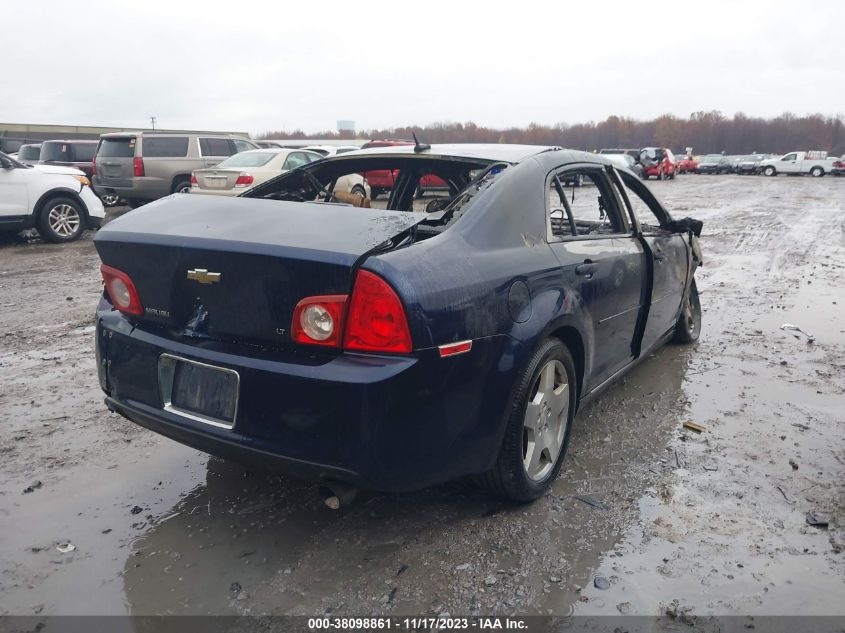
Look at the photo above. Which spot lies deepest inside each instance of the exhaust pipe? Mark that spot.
(336, 494)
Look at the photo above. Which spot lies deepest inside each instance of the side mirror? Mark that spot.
(5, 163)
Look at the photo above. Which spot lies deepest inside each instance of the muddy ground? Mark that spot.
(646, 516)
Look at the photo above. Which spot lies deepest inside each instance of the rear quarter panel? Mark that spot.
(489, 276)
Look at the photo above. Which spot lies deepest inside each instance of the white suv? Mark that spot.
(58, 201)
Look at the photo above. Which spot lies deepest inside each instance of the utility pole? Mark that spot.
(153, 121)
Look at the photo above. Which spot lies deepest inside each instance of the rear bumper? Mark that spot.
(385, 423)
(231, 193)
(139, 188)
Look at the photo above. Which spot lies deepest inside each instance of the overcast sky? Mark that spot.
(256, 66)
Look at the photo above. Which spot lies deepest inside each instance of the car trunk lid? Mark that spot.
(234, 268)
(217, 179)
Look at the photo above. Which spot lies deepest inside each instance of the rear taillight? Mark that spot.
(194, 182)
(372, 319)
(376, 319)
(138, 166)
(319, 320)
(122, 292)
(244, 179)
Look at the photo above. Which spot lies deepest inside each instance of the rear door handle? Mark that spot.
(587, 268)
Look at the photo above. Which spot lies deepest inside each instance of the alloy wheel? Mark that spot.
(64, 220)
(545, 422)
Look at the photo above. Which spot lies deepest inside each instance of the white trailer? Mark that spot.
(815, 163)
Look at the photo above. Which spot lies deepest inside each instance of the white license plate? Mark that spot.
(213, 182)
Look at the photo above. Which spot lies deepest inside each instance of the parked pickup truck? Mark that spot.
(814, 163)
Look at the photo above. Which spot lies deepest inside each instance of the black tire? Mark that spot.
(817, 172)
(134, 203)
(508, 478)
(672, 176)
(374, 193)
(770, 171)
(688, 327)
(358, 190)
(182, 186)
(644, 176)
(61, 219)
(110, 199)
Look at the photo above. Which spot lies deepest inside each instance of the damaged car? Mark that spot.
(400, 347)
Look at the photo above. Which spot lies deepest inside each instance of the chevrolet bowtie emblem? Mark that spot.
(203, 276)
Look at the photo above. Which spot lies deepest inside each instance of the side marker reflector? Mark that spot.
(453, 349)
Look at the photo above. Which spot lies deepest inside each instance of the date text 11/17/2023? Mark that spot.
(418, 623)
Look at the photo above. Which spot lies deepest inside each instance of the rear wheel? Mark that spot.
(110, 199)
(688, 327)
(182, 186)
(61, 220)
(539, 426)
(817, 172)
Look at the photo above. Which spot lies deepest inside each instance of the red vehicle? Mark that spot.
(382, 180)
(686, 165)
(658, 162)
(838, 167)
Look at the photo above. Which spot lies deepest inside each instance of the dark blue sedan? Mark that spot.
(453, 335)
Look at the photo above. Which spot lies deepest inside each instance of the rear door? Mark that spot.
(601, 261)
(668, 261)
(213, 150)
(114, 161)
(296, 159)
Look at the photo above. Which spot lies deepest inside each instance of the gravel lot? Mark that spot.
(646, 515)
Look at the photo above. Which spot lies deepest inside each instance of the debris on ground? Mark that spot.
(35, 485)
(692, 426)
(790, 326)
(600, 582)
(818, 519)
(64, 548)
(590, 501)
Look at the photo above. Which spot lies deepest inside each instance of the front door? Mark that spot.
(602, 263)
(789, 164)
(668, 262)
